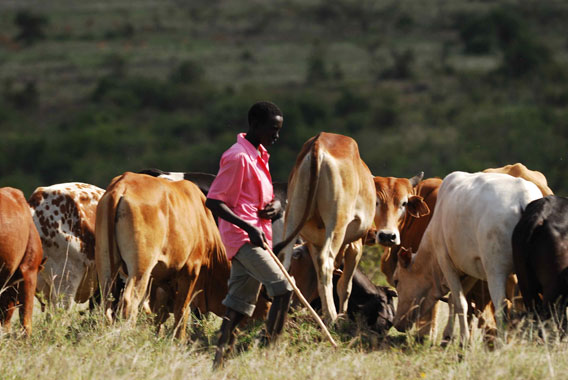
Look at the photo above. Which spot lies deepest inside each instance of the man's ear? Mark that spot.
(404, 257)
(417, 207)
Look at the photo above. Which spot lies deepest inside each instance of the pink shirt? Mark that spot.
(244, 184)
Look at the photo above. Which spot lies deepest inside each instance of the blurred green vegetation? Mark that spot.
(90, 90)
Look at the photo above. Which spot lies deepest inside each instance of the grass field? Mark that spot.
(76, 345)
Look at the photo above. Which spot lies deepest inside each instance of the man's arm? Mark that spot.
(220, 209)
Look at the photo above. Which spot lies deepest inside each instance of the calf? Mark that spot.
(469, 234)
(20, 258)
(374, 303)
(64, 215)
(540, 254)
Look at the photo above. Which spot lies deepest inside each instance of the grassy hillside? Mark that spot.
(91, 89)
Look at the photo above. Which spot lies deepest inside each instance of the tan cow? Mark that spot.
(332, 201)
(152, 229)
(64, 215)
(521, 171)
(20, 258)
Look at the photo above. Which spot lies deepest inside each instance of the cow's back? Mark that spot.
(164, 218)
(521, 171)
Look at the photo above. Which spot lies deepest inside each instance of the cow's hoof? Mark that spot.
(218, 361)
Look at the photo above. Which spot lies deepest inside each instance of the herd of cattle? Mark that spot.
(149, 241)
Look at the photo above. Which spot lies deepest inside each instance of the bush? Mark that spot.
(317, 70)
(187, 72)
(30, 26)
(22, 96)
(402, 65)
(350, 102)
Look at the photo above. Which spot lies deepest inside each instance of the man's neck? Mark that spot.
(252, 139)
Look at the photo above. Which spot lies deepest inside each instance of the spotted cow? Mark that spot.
(64, 215)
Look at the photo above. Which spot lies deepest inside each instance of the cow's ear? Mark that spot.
(404, 257)
(416, 179)
(417, 207)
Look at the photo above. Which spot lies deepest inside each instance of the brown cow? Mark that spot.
(20, 258)
(64, 215)
(152, 229)
(332, 201)
(204, 180)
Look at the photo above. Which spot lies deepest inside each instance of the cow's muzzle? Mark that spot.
(388, 238)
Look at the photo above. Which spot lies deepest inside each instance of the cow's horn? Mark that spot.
(416, 179)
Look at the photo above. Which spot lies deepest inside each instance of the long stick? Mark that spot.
(301, 296)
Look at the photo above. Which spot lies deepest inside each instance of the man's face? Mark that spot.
(268, 133)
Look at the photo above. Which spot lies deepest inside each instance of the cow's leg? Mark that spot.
(159, 304)
(497, 284)
(457, 295)
(26, 296)
(134, 293)
(352, 256)
(8, 305)
(185, 289)
(324, 270)
(427, 323)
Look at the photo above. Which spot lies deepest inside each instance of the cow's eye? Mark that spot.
(403, 204)
(395, 283)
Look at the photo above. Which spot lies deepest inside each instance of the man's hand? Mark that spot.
(272, 210)
(256, 236)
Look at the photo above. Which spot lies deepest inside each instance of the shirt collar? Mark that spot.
(251, 149)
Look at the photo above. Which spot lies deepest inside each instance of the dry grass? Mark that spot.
(78, 345)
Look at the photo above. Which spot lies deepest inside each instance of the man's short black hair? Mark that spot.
(262, 112)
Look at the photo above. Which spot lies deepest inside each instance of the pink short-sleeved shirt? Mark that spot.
(244, 184)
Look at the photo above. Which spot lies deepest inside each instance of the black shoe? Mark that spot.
(230, 322)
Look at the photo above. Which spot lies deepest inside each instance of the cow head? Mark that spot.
(396, 199)
(417, 289)
(379, 309)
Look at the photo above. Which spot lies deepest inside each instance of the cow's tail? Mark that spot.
(107, 254)
(312, 149)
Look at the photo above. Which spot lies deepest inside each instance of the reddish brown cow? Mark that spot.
(20, 258)
(155, 230)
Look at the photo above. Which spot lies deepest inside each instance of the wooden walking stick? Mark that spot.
(301, 296)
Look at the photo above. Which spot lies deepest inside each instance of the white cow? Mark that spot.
(64, 215)
(469, 234)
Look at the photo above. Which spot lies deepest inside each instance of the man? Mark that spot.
(242, 197)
